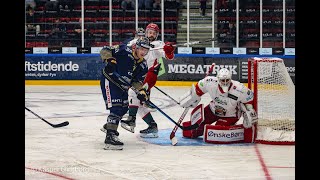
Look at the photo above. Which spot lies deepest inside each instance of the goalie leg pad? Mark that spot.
(201, 116)
(197, 117)
(250, 134)
(227, 121)
(218, 134)
(191, 133)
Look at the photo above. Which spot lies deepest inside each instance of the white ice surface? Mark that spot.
(76, 151)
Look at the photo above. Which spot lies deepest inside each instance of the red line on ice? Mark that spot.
(54, 174)
(264, 167)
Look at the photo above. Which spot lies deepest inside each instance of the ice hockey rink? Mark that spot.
(76, 151)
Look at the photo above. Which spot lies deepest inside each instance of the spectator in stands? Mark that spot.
(203, 7)
(57, 33)
(66, 4)
(145, 4)
(232, 34)
(128, 5)
(157, 4)
(31, 23)
(78, 30)
(52, 5)
(30, 4)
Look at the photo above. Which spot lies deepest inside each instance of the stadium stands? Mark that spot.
(96, 22)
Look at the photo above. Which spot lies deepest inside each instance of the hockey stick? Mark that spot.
(185, 44)
(173, 139)
(52, 125)
(194, 126)
(166, 95)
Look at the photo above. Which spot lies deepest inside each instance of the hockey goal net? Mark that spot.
(274, 100)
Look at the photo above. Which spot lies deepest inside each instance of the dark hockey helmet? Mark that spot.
(143, 42)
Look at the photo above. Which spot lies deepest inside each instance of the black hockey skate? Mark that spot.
(150, 132)
(129, 124)
(113, 142)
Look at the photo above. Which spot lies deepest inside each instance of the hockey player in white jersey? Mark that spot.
(136, 102)
(230, 100)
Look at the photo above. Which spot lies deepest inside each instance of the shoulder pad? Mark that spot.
(157, 43)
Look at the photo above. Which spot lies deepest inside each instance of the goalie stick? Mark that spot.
(194, 126)
(173, 138)
(186, 44)
(52, 125)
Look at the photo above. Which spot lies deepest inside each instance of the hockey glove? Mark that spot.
(249, 115)
(156, 68)
(111, 65)
(168, 49)
(142, 95)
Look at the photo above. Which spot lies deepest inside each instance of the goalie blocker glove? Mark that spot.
(190, 99)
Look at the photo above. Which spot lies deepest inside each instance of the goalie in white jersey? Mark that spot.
(136, 105)
(230, 100)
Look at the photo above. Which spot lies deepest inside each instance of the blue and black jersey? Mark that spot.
(134, 70)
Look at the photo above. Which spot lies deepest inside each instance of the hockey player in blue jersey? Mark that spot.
(129, 63)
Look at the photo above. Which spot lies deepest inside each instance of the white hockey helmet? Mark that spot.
(224, 79)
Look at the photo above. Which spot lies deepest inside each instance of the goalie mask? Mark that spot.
(224, 79)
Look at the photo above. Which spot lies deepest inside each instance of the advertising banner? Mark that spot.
(63, 67)
(195, 68)
(88, 67)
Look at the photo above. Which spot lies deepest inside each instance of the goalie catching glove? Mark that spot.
(249, 115)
